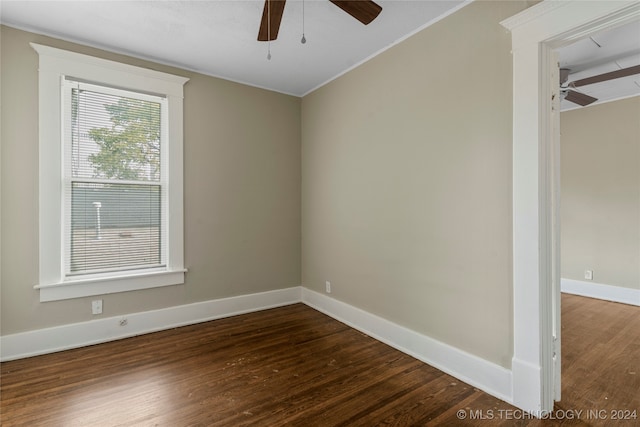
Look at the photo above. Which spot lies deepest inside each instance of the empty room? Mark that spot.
(320, 213)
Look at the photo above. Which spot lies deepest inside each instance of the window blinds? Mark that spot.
(114, 193)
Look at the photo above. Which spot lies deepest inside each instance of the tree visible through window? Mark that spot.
(130, 148)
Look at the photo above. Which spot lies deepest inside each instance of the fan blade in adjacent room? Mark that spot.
(364, 11)
(579, 98)
(629, 71)
(266, 32)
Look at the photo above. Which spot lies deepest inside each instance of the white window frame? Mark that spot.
(54, 66)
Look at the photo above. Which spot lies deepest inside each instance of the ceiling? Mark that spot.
(605, 51)
(219, 38)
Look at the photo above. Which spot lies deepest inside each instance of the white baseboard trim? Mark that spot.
(527, 386)
(473, 370)
(601, 291)
(49, 340)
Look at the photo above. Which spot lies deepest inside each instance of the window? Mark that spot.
(113, 180)
(111, 207)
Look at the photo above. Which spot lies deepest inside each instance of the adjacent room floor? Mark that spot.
(296, 366)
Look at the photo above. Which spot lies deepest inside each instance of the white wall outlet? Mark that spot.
(588, 274)
(96, 306)
(327, 286)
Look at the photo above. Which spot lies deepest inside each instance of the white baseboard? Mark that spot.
(471, 369)
(601, 291)
(49, 340)
(527, 386)
(487, 376)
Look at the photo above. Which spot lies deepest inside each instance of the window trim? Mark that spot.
(54, 65)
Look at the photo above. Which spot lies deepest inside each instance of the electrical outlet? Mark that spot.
(327, 286)
(96, 306)
(588, 274)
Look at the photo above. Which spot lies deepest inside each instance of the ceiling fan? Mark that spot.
(581, 98)
(364, 11)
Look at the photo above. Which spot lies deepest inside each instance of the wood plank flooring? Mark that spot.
(600, 356)
(295, 366)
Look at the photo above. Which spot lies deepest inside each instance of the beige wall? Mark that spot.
(242, 193)
(601, 193)
(406, 183)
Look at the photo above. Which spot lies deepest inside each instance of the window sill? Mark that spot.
(108, 285)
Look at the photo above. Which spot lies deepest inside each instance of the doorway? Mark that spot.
(536, 32)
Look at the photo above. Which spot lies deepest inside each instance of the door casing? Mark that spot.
(536, 33)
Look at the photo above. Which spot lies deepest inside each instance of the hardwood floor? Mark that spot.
(296, 366)
(600, 356)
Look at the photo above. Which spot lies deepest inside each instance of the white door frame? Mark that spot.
(536, 32)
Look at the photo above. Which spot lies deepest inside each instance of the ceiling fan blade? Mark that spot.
(270, 31)
(364, 11)
(579, 98)
(607, 76)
